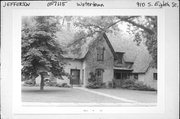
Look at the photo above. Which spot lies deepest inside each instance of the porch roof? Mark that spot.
(122, 68)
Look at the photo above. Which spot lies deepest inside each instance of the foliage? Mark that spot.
(140, 86)
(65, 85)
(92, 82)
(51, 83)
(40, 52)
(111, 84)
(143, 28)
(135, 85)
(29, 83)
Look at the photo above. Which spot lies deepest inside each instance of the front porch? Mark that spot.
(122, 73)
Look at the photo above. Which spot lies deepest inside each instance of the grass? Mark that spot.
(74, 95)
(63, 95)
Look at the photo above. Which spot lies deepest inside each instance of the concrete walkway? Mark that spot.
(125, 100)
(107, 95)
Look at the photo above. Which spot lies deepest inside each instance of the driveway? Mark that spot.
(83, 95)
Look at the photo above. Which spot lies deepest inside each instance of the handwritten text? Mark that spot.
(14, 4)
(89, 4)
(159, 4)
(56, 3)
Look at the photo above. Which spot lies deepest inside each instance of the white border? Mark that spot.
(17, 104)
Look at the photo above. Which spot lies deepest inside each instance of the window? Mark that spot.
(122, 75)
(119, 57)
(120, 60)
(100, 54)
(118, 75)
(135, 76)
(155, 76)
(98, 72)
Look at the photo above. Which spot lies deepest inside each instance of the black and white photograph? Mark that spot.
(89, 59)
(92, 60)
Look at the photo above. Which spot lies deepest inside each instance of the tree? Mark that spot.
(144, 29)
(40, 51)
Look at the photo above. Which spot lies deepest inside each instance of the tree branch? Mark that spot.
(120, 19)
(137, 25)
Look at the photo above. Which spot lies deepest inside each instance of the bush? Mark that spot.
(50, 83)
(129, 83)
(63, 85)
(29, 83)
(141, 86)
(111, 84)
(93, 85)
(135, 85)
(103, 85)
(92, 82)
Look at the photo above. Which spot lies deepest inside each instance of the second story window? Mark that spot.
(119, 57)
(100, 54)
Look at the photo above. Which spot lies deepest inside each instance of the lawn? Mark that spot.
(63, 95)
(81, 95)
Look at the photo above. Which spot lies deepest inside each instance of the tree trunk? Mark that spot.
(34, 81)
(42, 82)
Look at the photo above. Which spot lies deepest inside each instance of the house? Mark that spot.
(138, 57)
(104, 56)
(110, 56)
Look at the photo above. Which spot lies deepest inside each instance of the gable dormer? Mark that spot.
(119, 57)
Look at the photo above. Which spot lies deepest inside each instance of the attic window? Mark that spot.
(119, 57)
(100, 54)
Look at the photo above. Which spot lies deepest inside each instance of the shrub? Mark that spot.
(135, 85)
(110, 84)
(93, 85)
(141, 86)
(29, 83)
(50, 83)
(103, 85)
(129, 83)
(63, 85)
(92, 82)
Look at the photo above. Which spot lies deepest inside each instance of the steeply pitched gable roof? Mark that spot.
(137, 54)
(117, 43)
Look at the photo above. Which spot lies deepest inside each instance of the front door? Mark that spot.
(75, 76)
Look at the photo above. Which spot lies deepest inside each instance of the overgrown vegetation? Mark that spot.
(93, 82)
(41, 54)
(49, 83)
(142, 28)
(135, 85)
